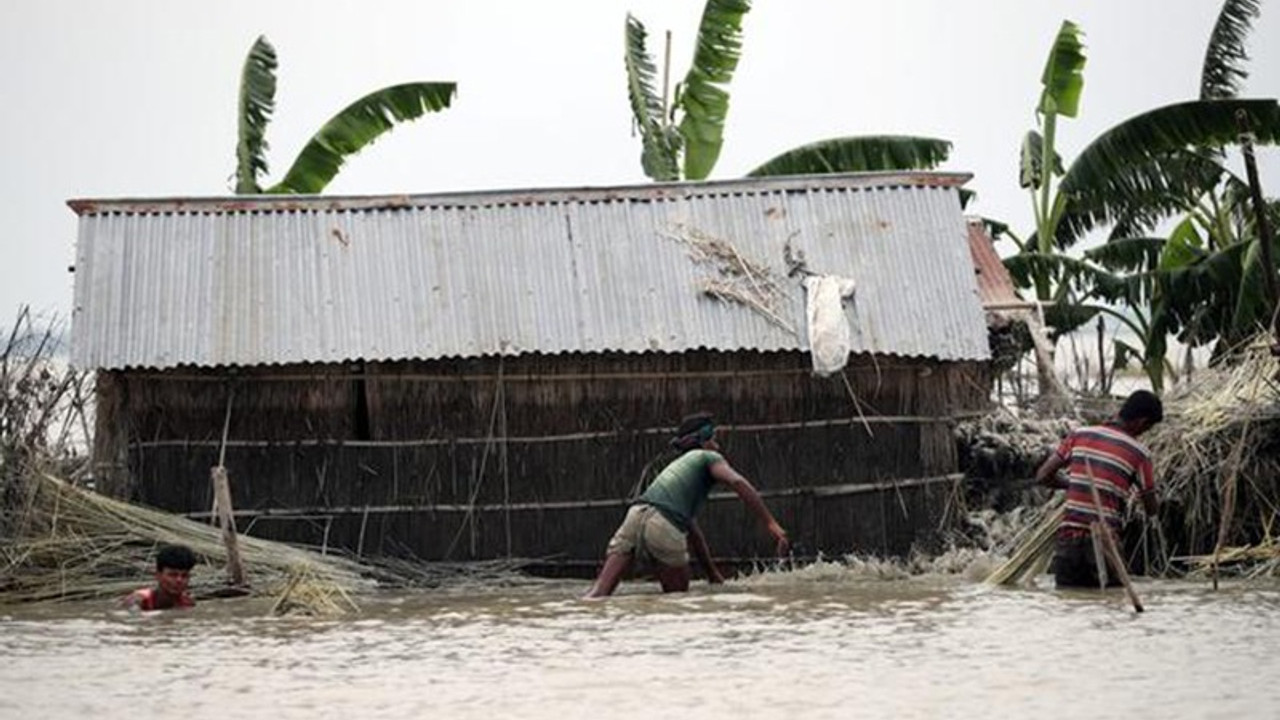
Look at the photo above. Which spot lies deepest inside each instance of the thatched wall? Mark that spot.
(535, 456)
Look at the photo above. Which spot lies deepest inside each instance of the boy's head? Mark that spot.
(173, 568)
(1140, 411)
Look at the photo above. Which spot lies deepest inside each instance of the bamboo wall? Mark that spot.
(536, 456)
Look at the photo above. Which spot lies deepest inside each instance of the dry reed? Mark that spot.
(1031, 550)
(1217, 455)
(738, 278)
(77, 544)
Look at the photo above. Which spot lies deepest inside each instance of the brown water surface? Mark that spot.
(803, 644)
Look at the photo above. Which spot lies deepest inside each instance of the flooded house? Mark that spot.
(496, 374)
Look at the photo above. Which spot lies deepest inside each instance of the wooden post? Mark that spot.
(222, 500)
(1102, 357)
(1263, 224)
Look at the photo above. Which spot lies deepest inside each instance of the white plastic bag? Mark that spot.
(829, 338)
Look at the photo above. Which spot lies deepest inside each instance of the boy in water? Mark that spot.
(660, 526)
(173, 571)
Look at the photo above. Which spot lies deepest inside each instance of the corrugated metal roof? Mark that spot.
(995, 286)
(286, 279)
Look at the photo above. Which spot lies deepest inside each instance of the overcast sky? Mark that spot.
(137, 98)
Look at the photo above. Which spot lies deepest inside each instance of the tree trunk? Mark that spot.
(1054, 398)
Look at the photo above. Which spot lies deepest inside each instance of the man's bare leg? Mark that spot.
(674, 579)
(615, 566)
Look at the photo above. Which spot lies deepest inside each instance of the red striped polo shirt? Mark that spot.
(1119, 464)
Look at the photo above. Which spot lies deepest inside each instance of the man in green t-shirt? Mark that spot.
(660, 526)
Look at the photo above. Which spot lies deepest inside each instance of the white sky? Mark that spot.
(137, 98)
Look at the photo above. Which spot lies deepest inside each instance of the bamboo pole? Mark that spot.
(1101, 531)
(222, 505)
(226, 517)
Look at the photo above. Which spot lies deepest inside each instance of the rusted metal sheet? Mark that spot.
(263, 280)
(995, 286)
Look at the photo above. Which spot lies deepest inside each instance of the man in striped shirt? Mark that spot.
(1110, 458)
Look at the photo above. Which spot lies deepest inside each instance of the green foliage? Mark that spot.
(1128, 254)
(660, 156)
(1154, 164)
(343, 135)
(703, 96)
(857, 154)
(1063, 77)
(689, 147)
(1223, 72)
(1032, 161)
(357, 125)
(257, 102)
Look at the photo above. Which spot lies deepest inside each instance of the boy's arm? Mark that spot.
(698, 546)
(1147, 488)
(726, 475)
(1047, 474)
(135, 600)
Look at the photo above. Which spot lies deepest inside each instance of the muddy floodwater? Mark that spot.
(805, 644)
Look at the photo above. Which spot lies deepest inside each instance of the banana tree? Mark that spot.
(1209, 276)
(858, 154)
(683, 140)
(345, 134)
(1151, 167)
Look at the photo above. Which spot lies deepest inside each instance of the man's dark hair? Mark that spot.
(178, 557)
(693, 422)
(693, 431)
(1142, 404)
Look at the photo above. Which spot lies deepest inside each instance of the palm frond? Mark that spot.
(1252, 306)
(359, 124)
(1065, 318)
(1127, 254)
(1068, 273)
(660, 156)
(704, 97)
(1223, 73)
(1063, 77)
(1153, 164)
(1198, 298)
(257, 102)
(1032, 161)
(1184, 247)
(857, 154)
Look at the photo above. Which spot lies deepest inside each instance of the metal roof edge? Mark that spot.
(646, 193)
(555, 354)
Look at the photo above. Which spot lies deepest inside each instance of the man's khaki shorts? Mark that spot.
(650, 536)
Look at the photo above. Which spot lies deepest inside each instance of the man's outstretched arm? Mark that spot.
(724, 473)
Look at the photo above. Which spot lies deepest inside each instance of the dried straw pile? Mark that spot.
(1217, 458)
(76, 544)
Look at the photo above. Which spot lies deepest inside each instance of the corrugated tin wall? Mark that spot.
(258, 281)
